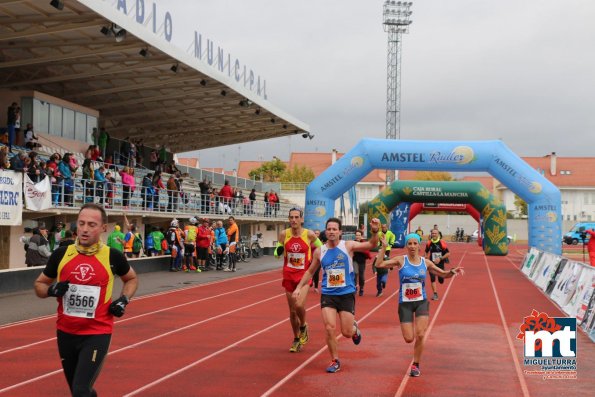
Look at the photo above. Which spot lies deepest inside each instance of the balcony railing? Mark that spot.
(117, 196)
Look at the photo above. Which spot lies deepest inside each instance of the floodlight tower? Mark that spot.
(395, 15)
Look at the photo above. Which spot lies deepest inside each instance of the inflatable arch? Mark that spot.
(492, 210)
(542, 197)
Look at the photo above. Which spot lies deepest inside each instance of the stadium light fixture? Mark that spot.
(105, 30)
(273, 121)
(203, 82)
(257, 112)
(245, 103)
(119, 33)
(175, 68)
(57, 4)
(307, 135)
(144, 52)
(223, 93)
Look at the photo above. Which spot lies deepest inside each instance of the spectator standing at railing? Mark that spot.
(172, 168)
(205, 187)
(147, 191)
(267, 205)
(273, 202)
(252, 198)
(55, 177)
(226, 193)
(110, 187)
(591, 246)
(99, 178)
(102, 142)
(157, 187)
(88, 175)
(172, 193)
(11, 121)
(128, 185)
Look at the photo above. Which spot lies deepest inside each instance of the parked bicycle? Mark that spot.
(243, 252)
(256, 245)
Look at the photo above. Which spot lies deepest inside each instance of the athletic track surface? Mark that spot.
(231, 338)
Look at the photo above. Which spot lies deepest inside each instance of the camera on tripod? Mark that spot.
(583, 236)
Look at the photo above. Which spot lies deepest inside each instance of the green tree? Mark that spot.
(300, 173)
(520, 205)
(433, 176)
(270, 170)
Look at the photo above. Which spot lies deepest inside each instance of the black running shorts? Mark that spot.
(406, 310)
(342, 303)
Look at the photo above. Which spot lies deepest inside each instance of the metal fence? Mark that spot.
(75, 192)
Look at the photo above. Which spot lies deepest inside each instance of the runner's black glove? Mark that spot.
(118, 306)
(58, 289)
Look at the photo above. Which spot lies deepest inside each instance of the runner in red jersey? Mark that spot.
(295, 246)
(85, 278)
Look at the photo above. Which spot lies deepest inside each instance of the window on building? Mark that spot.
(41, 116)
(55, 120)
(80, 127)
(68, 123)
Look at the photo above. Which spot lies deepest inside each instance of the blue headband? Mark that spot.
(412, 235)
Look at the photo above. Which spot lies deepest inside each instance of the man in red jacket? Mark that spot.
(203, 241)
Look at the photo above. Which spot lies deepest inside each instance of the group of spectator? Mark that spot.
(41, 243)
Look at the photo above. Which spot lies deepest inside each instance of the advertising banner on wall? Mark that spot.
(546, 269)
(38, 196)
(566, 282)
(11, 202)
(531, 259)
(582, 294)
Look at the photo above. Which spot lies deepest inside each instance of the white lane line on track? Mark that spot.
(186, 367)
(320, 351)
(149, 313)
(205, 358)
(53, 316)
(406, 377)
(147, 341)
(517, 365)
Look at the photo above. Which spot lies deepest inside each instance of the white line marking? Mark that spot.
(322, 349)
(149, 313)
(517, 365)
(406, 377)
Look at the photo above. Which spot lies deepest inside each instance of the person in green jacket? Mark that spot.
(158, 237)
(116, 239)
(382, 273)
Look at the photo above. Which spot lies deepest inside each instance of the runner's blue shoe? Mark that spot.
(335, 366)
(415, 371)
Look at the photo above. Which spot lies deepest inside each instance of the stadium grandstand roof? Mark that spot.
(103, 55)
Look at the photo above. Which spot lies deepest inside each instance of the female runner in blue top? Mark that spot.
(412, 294)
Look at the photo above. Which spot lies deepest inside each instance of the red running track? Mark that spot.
(232, 337)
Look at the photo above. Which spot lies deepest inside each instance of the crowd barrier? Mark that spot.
(570, 284)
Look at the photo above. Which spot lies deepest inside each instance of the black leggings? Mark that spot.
(82, 358)
(361, 269)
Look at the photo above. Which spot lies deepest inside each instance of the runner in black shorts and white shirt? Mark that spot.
(412, 294)
(437, 251)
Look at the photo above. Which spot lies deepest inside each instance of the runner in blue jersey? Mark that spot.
(338, 284)
(412, 294)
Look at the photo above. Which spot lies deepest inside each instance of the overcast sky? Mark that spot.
(520, 71)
